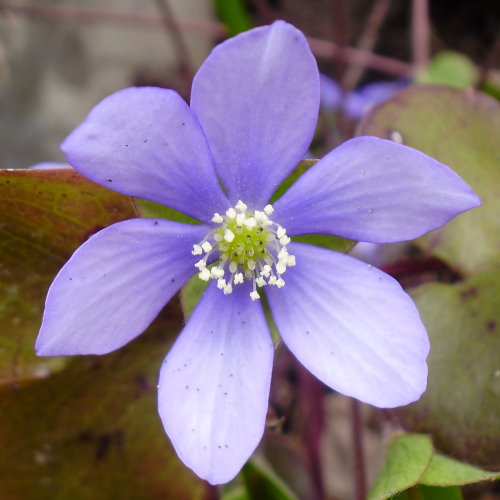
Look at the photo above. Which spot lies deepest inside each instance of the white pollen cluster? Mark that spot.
(247, 246)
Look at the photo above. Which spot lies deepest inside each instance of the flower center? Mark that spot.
(250, 247)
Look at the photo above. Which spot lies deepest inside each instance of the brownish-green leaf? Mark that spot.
(460, 129)
(462, 402)
(46, 214)
(92, 431)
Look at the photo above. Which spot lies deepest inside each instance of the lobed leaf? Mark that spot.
(458, 128)
(46, 215)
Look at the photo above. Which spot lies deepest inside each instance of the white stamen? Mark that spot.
(228, 235)
(268, 209)
(240, 219)
(204, 274)
(221, 283)
(233, 267)
(280, 283)
(266, 271)
(254, 295)
(238, 278)
(260, 281)
(216, 272)
(231, 213)
(250, 223)
(201, 264)
(280, 267)
(228, 289)
(240, 206)
(281, 231)
(197, 250)
(217, 218)
(206, 246)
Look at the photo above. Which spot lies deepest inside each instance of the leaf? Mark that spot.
(262, 483)
(46, 215)
(458, 128)
(150, 209)
(92, 431)
(450, 68)
(234, 15)
(191, 294)
(439, 493)
(462, 403)
(239, 493)
(407, 459)
(421, 492)
(444, 471)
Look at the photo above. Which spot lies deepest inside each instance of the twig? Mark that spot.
(173, 29)
(321, 48)
(311, 397)
(59, 13)
(492, 60)
(327, 50)
(367, 41)
(359, 460)
(340, 38)
(420, 34)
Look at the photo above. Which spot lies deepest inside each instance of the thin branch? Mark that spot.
(173, 29)
(367, 41)
(420, 34)
(321, 48)
(311, 392)
(340, 38)
(359, 459)
(327, 50)
(492, 60)
(92, 16)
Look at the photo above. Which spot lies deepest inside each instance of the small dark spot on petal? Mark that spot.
(109, 180)
(145, 140)
(183, 124)
(172, 280)
(155, 223)
(187, 387)
(491, 326)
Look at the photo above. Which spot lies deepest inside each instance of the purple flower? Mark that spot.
(254, 106)
(357, 102)
(360, 101)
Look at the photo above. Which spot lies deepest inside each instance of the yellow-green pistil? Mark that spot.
(250, 246)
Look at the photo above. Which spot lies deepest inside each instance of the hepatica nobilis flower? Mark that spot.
(253, 112)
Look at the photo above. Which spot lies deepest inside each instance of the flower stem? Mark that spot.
(359, 461)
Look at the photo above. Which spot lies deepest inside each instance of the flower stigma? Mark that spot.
(250, 247)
